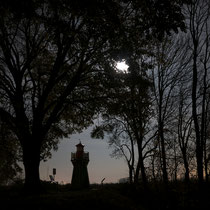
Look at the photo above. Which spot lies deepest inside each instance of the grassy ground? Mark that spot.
(109, 196)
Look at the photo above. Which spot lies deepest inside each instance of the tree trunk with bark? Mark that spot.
(31, 161)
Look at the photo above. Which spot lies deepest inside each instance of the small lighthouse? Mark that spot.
(80, 161)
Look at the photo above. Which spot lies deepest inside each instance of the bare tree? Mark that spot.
(165, 75)
(198, 19)
(128, 113)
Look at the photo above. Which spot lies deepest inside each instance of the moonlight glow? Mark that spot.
(122, 66)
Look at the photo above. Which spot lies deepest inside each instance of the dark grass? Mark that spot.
(109, 196)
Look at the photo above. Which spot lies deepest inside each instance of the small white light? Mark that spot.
(122, 66)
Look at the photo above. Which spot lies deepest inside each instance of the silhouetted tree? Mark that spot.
(49, 65)
(165, 75)
(198, 19)
(127, 114)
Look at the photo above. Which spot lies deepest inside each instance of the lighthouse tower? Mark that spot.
(80, 161)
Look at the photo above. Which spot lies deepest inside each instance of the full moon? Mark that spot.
(122, 66)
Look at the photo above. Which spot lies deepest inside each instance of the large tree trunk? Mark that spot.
(130, 174)
(199, 147)
(186, 166)
(140, 167)
(143, 173)
(31, 161)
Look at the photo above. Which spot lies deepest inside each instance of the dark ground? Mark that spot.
(108, 196)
